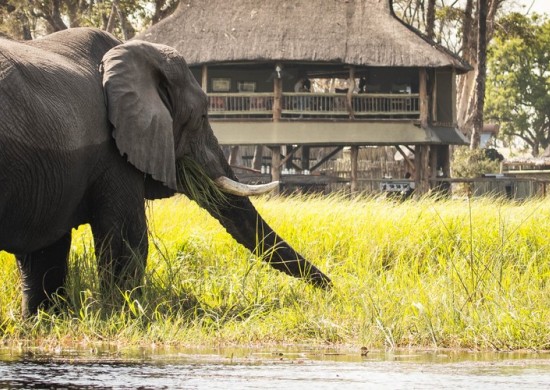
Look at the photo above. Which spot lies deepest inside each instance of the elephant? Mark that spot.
(91, 128)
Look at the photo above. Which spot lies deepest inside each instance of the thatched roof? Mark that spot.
(354, 32)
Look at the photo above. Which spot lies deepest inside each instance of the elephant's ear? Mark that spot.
(133, 81)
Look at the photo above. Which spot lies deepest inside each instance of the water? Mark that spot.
(249, 369)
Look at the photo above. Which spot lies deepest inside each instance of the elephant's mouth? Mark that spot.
(193, 181)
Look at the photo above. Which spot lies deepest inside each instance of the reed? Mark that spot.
(438, 274)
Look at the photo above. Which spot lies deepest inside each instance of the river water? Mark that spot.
(276, 369)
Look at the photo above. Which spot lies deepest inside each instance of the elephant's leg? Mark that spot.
(120, 235)
(43, 273)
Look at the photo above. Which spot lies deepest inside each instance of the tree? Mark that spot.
(518, 88)
(24, 19)
(14, 22)
(456, 27)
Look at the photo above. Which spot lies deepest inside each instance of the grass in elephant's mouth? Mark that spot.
(471, 274)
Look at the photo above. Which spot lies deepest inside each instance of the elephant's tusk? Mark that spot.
(240, 189)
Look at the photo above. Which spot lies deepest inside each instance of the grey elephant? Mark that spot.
(91, 127)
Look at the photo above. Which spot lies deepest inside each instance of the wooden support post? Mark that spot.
(234, 158)
(277, 110)
(441, 168)
(354, 155)
(257, 160)
(433, 161)
(351, 88)
(204, 82)
(422, 152)
(276, 165)
(422, 178)
(277, 93)
(423, 97)
(445, 159)
(454, 94)
(305, 158)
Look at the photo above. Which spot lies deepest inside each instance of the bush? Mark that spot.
(475, 162)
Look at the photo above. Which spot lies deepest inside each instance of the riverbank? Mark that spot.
(468, 274)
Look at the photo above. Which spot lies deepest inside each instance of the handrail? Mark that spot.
(314, 104)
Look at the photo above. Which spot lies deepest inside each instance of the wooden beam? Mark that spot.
(326, 158)
(433, 162)
(277, 110)
(410, 148)
(422, 178)
(258, 157)
(433, 98)
(278, 93)
(351, 88)
(407, 159)
(423, 97)
(276, 164)
(354, 156)
(204, 82)
(289, 155)
(453, 94)
(305, 157)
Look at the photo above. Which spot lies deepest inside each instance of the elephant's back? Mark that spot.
(83, 45)
(53, 131)
(52, 89)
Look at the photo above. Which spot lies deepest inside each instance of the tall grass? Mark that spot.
(448, 273)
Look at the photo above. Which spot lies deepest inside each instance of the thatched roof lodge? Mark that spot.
(250, 54)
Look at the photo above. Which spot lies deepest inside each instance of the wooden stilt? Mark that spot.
(351, 88)
(422, 152)
(277, 110)
(354, 154)
(276, 165)
(204, 82)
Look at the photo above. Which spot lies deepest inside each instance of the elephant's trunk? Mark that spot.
(243, 222)
(239, 217)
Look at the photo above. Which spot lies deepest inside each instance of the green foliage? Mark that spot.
(518, 84)
(28, 19)
(452, 273)
(473, 162)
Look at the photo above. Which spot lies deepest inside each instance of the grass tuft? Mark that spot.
(193, 181)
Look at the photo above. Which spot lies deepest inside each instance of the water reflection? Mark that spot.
(240, 369)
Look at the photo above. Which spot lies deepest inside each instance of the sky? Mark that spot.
(540, 6)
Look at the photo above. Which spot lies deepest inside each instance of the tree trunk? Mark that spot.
(111, 22)
(466, 82)
(430, 20)
(481, 74)
(466, 85)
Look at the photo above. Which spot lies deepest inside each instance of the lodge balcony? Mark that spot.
(311, 106)
(324, 119)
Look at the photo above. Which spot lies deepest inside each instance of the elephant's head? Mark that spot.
(159, 115)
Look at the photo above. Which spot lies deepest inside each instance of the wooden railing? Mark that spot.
(314, 105)
(231, 104)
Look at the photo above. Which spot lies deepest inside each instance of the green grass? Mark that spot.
(430, 274)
